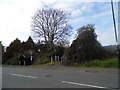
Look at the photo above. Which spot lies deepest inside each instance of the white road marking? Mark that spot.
(31, 77)
(83, 84)
(22, 75)
(17, 75)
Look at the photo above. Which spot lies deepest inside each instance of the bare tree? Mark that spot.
(51, 25)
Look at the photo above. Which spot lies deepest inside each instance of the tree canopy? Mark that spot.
(51, 25)
(85, 47)
(13, 48)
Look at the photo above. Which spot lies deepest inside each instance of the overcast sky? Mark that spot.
(15, 18)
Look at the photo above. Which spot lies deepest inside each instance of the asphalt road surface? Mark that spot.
(49, 77)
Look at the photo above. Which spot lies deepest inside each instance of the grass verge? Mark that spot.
(107, 63)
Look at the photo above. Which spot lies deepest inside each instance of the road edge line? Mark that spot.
(94, 86)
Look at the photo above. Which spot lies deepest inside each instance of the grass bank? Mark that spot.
(107, 63)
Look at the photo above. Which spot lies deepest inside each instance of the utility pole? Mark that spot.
(114, 22)
(119, 33)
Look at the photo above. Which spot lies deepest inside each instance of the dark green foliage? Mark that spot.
(85, 47)
(3, 52)
(43, 58)
(28, 45)
(59, 50)
(12, 61)
(12, 51)
(41, 47)
(14, 48)
(40, 52)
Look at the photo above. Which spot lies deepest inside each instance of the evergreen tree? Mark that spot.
(85, 47)
(14, 48)
(30, 43)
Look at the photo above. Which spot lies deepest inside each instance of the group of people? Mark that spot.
(25, 60)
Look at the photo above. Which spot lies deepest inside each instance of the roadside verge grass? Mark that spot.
(107, 63)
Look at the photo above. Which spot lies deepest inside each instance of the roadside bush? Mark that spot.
(42, 58)
(12, 61)
(85, 47)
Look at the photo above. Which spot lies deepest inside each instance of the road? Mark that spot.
(48, 77)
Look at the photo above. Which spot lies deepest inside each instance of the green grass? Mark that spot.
(107, 63)
(43, 64)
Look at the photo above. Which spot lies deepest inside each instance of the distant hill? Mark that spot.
(111, 47)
